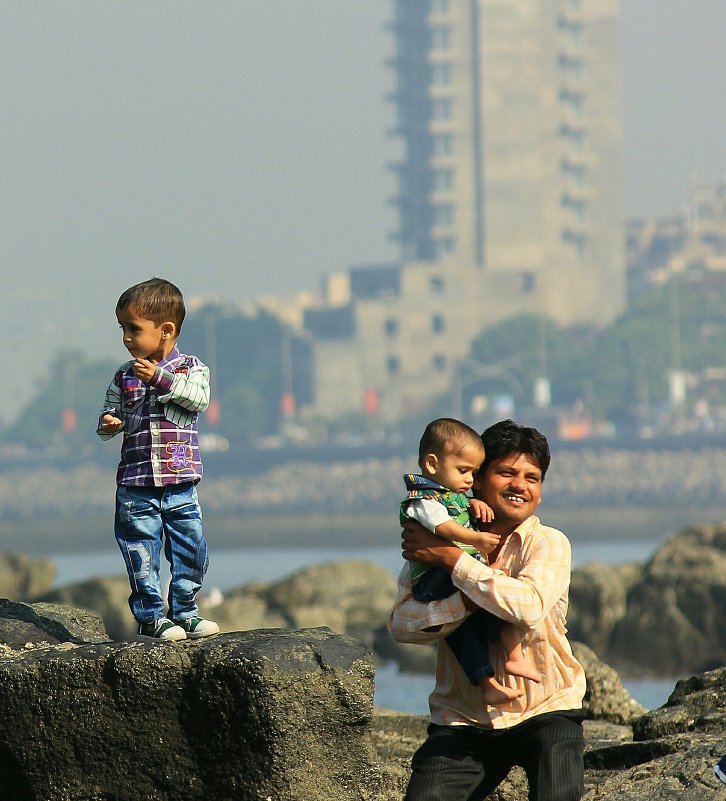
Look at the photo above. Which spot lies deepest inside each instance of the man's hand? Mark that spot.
(145, 369)
(420, 545)
(110, 423)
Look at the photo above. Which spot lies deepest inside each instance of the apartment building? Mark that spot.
(509, 195)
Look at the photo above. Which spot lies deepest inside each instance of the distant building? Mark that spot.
(509, 197)
(509, 202)
(509, 111)
(658, 248)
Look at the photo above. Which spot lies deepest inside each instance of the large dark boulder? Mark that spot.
(674, 618)
(281, 715)
(662, 618)
(22, 625)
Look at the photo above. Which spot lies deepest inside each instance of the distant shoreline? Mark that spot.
(63, 534)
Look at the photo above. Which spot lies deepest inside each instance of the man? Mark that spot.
(470, 746)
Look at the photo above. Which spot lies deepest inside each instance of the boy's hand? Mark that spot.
(145, 369)
(481, 511)
(110, 423)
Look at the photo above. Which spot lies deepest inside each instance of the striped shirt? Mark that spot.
(161, 440)
(528, 586)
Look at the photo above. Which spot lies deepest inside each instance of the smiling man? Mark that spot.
(471, 746)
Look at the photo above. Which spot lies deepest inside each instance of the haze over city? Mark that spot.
(240, 149)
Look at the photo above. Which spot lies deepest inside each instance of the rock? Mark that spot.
(361, 593)
(665, 761)
(22, 623)
(24, 578)
(242, 610)
(663, 618)
(674, 618)
(605, 697)
(696, 704)
(262, 715)
(107, 597)
(598, 600)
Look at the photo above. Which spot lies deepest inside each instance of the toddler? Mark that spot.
(450, 453)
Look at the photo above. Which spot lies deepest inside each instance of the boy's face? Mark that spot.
(143, 338)
(455, 471)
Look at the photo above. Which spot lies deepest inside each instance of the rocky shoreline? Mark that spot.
(284, 715)
(323, 629)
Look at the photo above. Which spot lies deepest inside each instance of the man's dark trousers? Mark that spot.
(465, 763)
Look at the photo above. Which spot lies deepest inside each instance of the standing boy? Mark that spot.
(155, 399)
(470, 747)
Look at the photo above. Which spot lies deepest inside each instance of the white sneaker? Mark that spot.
(161, 630)
(197, 627)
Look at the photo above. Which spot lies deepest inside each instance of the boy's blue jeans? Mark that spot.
(146, 518)
(470, 641)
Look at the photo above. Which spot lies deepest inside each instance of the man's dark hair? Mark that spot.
(507, 438)
(446, 435)
(157, 300)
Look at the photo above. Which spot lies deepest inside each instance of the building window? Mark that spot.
(439, 6)
(438, 324)
(526, 283)
(442, 108)
(436, 284)
(577, 205)
(441, 38)
(441, 74)
(443, 180)
(443, 144)
(444, 246)
(444, 214)
(391, 327)
(439, 361)
(393, 365)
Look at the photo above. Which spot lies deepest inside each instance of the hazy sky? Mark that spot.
(239, 148)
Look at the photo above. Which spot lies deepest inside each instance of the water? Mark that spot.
(409, 692)
(405, 692)
(232, 567)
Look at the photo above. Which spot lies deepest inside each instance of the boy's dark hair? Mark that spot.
(446, 435)
(157, 300)
(507, 438)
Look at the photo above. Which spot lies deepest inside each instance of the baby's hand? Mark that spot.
(110, 423)
(481, 511)
(144, 369)
(487, 541)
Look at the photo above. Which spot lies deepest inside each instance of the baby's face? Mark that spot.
(456, 471)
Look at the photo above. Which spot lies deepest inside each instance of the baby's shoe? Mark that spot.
(197, 627)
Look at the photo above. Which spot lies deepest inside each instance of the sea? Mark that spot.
(395, 690)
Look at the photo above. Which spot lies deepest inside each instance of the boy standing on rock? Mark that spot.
(471, 747)
(155, 399)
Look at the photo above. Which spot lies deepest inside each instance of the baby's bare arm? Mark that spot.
(483, 541)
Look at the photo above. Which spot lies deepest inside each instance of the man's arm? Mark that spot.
(424, 622)
(541, 576)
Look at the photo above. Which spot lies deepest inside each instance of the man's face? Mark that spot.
(512, 486)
